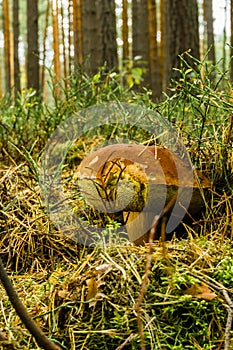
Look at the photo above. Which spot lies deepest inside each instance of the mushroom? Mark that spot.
(139, 181)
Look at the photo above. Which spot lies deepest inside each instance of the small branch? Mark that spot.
(130, 337)
(43, 341)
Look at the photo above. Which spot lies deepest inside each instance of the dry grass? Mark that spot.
(85, 298)
(28, 238)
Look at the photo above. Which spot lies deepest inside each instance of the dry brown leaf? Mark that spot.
(201, 290)
(104, 268)
(92, 286)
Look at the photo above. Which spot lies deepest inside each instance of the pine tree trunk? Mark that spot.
(99, 34)
(7, 53)
(33, 50)
(162, 45)
(44, 47)
(181, 34)
(56, 50)
(70, 42)
(125, 31)
(231, 49)
(107, 25)
(155, 78)
(16, 45)
(140, 38)
(63, 38)
(77, 30)
(91, 39)
(209, 23)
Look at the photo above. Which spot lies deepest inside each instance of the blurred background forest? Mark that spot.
(47, 41)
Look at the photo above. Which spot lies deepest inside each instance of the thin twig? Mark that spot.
(22, 312)
(127, 340)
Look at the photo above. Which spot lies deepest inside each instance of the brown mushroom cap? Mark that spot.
(134, 178)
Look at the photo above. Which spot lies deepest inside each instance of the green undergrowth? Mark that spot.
(171, 295)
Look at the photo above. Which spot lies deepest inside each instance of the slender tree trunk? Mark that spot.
(16, 45)
(77, 29)
(7, 53)
(140, 38)
(91, 38)
(224, 58)
(180, 35)
(99, 34)
(107, 25)
(209, 23)
(63, 37)
(125, 31)
(155, 81)
(33, 49)
(231, 49)
(70, 21)
(56, 50)
(44, 47)
(162, 46)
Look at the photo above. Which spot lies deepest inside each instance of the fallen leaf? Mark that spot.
(201, 291)
(104, 268)
(92, 288)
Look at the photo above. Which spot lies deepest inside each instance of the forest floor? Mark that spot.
(172, 294)
(89, 298)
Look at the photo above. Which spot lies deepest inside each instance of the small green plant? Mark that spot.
(224, 272)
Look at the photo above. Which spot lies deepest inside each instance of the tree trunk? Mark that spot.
(140, 38)
(181, 34)
(7, 54)
(107, 26)
(63, 38)
(99, 34)
(16, 45)
(91, 39)
(33, 50)
(70, 30)
(77, 30)
(231, 49)
(155, 78)
(208, 20)
(56, 50)
(162, 45)
(44, 47)
(125, 31)
(224, 37)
